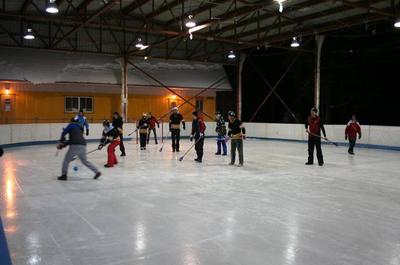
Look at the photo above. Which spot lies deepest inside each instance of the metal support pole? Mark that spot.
(317, 88)
(124, 89)
(242, 59)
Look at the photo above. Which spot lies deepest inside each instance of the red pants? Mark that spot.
(112, 158)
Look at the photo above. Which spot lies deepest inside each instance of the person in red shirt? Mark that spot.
(352, 129)
(314, 126)
(198, 129)
(152, 121)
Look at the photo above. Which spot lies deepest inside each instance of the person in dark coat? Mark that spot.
(198, 129)
(117, 123)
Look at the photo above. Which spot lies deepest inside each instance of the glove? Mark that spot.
(191, 138)
(201, 135)
(158, 125)
(184, 127)
(345, 137)
(100, 146)
(61, 146)
(87, 132)
(359, 137)
(244, 137)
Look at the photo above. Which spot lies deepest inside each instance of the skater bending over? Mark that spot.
(77, 147)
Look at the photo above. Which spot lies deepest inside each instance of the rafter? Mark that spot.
(198, 10)
(134, 5)
(102, 10)
(164, 8)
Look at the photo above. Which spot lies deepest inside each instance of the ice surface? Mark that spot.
(152, 209)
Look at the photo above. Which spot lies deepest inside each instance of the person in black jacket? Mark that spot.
(221, 133)
(118, 123)
(175, 120)
(110, 136)
(198, 129)
(143, 127)
(77, 147)
(237, 132)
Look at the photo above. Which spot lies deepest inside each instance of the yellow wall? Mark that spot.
(47, 107)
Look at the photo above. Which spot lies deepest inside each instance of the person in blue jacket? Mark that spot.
(81, 119)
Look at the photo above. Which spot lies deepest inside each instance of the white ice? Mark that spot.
(152, 209)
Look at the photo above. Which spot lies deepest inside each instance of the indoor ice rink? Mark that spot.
(199, 132)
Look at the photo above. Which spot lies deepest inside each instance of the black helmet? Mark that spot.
(231, 113)
(106, 123)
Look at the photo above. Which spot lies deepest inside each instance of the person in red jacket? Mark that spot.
(314, 126)
(152, 121)
(352, 129)
(198, 129)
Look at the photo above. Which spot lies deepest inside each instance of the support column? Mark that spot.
(124, 89)
(317, 89)
(242, 58)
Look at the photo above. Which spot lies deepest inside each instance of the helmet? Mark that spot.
(231, 113)
(106, 123)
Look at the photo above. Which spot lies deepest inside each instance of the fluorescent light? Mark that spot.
(397, 23)
(190, 22)
(51, 7)
(295, 43)
(29, 34)
(231, 55)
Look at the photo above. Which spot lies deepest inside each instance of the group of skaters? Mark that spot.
(112, 135)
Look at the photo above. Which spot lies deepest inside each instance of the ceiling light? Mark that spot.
(231, 55)
(139, 43)
(280, 2)
(51, 7)
(397, 23)
(190, 22)
(29, 34)
(295, 43)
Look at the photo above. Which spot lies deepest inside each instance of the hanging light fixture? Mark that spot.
(397, 23)
(280, 3)
(295, 43)
(7, 88)
(190, 22)
(29, 34)
(231, 55)
(51, 7)
(139, 43)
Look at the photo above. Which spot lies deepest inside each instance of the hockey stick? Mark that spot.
(75, 157)
(162, 146)
(193, 145)
(326, 139)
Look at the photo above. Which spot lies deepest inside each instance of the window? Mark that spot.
(74, 104)
(7, 105)
(199, 105)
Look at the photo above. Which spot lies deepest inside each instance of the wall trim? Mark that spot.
(342, 144)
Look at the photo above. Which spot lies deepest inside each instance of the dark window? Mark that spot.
(199, 105)
(74, 104)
